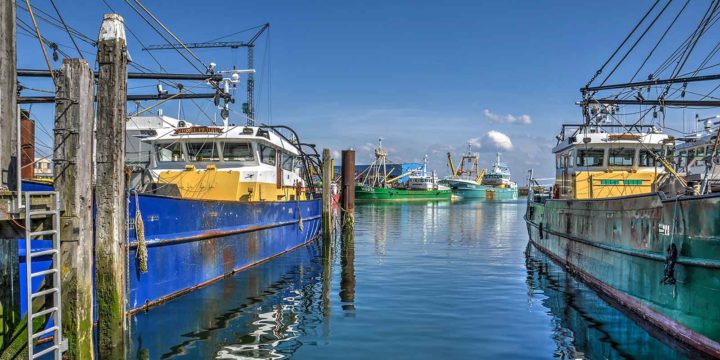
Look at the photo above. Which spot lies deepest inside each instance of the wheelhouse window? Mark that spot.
(172, 152)
(621, 157)
(647, 159)
(204, 151)
(288, 162)
(682, 159)
(237, 151)
(590, 157)
(267, 155)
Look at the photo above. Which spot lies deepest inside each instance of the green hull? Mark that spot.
(377, 193)
(618, 246)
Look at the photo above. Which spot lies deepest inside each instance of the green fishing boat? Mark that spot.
(377, 184)
(635, 212)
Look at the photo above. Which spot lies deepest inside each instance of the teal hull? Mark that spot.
(493, 193)
(470, 193)
(618, 246)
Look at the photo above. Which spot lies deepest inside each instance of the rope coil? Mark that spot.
(141, 255)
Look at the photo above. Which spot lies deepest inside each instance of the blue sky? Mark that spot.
(427, 76)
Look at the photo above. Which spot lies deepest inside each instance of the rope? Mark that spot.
(42, 46)
(142, 255)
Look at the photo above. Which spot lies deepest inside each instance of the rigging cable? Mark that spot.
(171, 33)
(660, 40)
(42, 46)
(67, 30)
(599, 71)
(636, 42)
(164, 37)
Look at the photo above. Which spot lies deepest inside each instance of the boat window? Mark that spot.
(621, 157)
(590, 157)
(690, 156)
(571, 159)
(170, 152)
(237, 151)
(557, 162)
(700, 153)
(203, 151)
(647, 159)
(287, 161)
(267, 155)
(682, 159)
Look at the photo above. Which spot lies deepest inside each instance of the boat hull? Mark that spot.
(366, 193)
(617, 246)
(192, 243)
(498, 193)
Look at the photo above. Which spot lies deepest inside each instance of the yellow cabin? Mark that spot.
(602, 161)
(235, 163)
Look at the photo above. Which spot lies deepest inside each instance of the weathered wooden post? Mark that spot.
(8, 98)
(73, 166)
(348, 188)
(9, 271)
(327, 206)
(110, 222)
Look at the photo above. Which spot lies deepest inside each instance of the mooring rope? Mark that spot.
(142, 255)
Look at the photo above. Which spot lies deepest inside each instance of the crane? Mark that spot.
(249, 106)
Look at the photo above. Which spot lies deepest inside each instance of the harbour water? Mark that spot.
(417, 281)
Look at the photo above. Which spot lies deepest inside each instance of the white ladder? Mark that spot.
(54, 310)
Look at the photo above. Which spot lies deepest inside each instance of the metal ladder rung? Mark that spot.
(46, 351)
(44, 272)
(44, 232)
(44, 332)
(44, 252)
(44, 312)
(44, 292)
(42, 212)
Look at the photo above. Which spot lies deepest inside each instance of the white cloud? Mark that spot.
(497, 141)
(508, 119)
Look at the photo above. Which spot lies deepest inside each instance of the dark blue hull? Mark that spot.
(192, 243)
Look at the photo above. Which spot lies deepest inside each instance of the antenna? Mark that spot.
(249, 106)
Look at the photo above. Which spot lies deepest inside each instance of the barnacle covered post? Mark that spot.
(110, 221)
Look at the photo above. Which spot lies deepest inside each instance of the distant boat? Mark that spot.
(466, 181)
(377, 184)
(497, 182)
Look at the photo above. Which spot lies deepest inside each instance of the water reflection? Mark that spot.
(585, 326)
(419, 280)
(347, 274)
(260, 312)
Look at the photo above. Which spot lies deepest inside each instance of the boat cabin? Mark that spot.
(593, 163)
(692, 157)
(237, 163)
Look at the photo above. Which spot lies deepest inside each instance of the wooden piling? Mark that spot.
(73, 166)
(27, 145)
(9, 271)
(327, 206)
(110, 223)
(8, 97)
(348, 187)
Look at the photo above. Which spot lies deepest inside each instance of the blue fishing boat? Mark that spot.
(214, 200)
